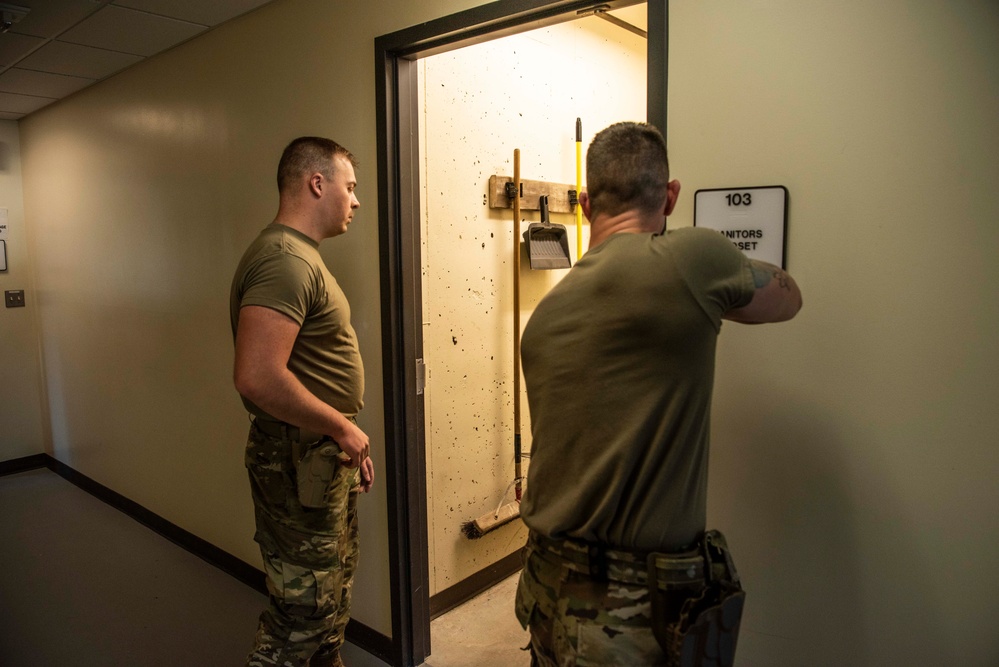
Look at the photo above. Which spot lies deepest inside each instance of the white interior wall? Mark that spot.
(21, 423)
(854, 457)
(479, 104)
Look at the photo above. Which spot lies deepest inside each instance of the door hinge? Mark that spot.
(421, 376)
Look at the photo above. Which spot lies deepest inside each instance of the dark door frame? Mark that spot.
(400, 262)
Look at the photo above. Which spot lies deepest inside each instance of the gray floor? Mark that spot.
(483, 631)
(83, 584)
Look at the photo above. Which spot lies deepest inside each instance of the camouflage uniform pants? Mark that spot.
(309, 556)
(575, 619)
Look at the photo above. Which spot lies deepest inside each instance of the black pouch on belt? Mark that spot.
(314, 470)
(697, 603)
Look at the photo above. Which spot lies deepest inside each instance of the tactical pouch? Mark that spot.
(697, 603)
(315, 470)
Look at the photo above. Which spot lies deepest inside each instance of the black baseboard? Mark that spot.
(372, 641)
(24, 464)
(357, 633)
(208, 552)
(481, 581)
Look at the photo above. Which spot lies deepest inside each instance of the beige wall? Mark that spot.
(854, 461)
(479, 104)
(21, 420)
(854, 458)
(140, 194)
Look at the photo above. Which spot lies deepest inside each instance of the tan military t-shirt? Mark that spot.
(618, 361)
(282, 269)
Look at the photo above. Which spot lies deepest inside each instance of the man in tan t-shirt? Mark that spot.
(299, 372)
(618, 360)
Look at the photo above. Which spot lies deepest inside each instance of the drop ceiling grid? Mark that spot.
(62, 46)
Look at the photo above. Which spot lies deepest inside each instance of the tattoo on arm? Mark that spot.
(763, 273)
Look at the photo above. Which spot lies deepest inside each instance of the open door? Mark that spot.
(399, 231)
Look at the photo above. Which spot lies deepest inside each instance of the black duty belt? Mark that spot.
(678, 570)
(286, 431)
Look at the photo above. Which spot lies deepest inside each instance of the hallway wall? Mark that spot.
(21, 420)
(854, 457)
(141, 193)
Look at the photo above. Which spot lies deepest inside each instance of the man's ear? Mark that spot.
(584, 201)
(672, 194)
(316, 184)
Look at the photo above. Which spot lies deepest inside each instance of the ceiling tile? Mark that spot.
(27, 82)
(13, 103)
(75, 60)
(50, 17)
(61, 46)
(130, 31)
(195, 11)
(14, 47)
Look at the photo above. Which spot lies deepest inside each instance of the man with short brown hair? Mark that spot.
(618, 360)
(298, 370)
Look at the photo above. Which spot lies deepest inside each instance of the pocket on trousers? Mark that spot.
(270, 479)
(619, 645)
(311, 592)
(608, 624)
(304, 549)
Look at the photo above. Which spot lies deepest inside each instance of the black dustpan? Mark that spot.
(547, 244)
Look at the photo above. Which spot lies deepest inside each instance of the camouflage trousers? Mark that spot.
(576, 619)
(309, 556)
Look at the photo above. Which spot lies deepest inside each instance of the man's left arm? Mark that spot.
(776, 296)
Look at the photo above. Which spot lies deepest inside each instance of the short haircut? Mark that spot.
(627, 167)
(307, 155)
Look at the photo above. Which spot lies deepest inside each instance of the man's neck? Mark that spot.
(629, 222)
(300, 223)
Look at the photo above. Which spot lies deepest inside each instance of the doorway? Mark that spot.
(401, 208)
(478, 104)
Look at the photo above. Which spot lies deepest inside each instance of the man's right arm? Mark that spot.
(264, 340)
(776, 298)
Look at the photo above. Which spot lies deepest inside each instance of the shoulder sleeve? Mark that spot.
(716, 272)
(280, 281)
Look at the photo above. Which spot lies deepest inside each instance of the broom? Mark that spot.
(579, 189)
(504, 514)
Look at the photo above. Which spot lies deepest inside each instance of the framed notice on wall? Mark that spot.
(753, 218)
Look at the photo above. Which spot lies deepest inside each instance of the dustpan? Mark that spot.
(547, 244)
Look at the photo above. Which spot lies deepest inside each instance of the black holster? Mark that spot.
(697, 603)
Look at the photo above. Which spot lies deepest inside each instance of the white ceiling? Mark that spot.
(62, 46)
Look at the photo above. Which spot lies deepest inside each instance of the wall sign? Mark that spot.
(753, 218)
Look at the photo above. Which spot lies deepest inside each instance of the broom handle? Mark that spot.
(516, 323)
(579, 188)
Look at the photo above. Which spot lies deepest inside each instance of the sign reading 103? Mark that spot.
(753, 218)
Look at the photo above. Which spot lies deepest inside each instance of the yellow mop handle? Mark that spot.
(579, 188)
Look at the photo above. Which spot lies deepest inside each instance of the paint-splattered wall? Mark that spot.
(480, 103)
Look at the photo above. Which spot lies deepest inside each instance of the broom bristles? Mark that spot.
(473, 530)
